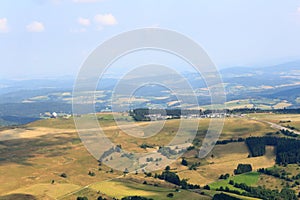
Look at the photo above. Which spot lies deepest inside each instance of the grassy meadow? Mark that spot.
(34, 156)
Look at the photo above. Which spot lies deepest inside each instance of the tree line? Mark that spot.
(260, 192)
(287, 149)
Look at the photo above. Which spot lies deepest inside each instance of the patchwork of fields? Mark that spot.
(34, 156)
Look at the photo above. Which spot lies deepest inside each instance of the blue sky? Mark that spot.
(46, 38)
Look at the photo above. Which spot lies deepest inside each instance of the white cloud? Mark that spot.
(298, 9)
(35, 27)
(83, 21)
(3, 25)
(105, 19)
(86, 1)
(81, 30)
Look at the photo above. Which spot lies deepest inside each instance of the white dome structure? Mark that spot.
(54, 115)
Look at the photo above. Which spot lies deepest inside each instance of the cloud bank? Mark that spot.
(84, 21)
(105, 19)
(35, 27)
(3, 25)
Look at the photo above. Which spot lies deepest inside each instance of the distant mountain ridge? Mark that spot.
(275, 86)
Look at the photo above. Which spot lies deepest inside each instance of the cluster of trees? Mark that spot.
(223, 196)
(260, 192)
(194, 166)
(117, 148)
(285, 121)
(170, 195)
(85, 198)
(206, 187)
(190, 148)
(291, 127)
(136, 198)
(141, 114)
(287, 149)
(168, 152)
(256, 146)
(281, 174)
(150, 159)
(144, 146)
(230, 141)
(101, 198)
(226, 189)
(128, 155)
(185, 185)
(172, 177)
(63, 175)
(91, 173)
(224, 176)
(287, 111)
(82, 198)
(288, 133)
(243, 168)
(257, 110)
(184, 162)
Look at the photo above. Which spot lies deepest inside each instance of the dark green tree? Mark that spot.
(184, 162)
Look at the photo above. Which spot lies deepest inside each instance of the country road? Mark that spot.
(274, 125)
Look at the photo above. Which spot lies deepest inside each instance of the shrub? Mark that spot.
(91, 173)
(243, 168)
(64, 175)
(82, 198)
(206, 187)
(184, 162)
(170, 195)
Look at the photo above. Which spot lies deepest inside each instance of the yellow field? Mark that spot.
(27, 162)
(46, 190)
(34, 155)
(131, 189)
(270, 182)
(109, 188)
(225, 160)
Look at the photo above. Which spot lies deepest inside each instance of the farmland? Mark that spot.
(53, 144)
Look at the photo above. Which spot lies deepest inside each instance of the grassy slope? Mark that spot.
(24, 161)
(276, 183)
(247, 178)
(225, 160)
(130, 189)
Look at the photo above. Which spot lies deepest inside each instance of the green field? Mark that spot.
(250, 178)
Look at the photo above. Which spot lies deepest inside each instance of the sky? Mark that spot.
(49, 38)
